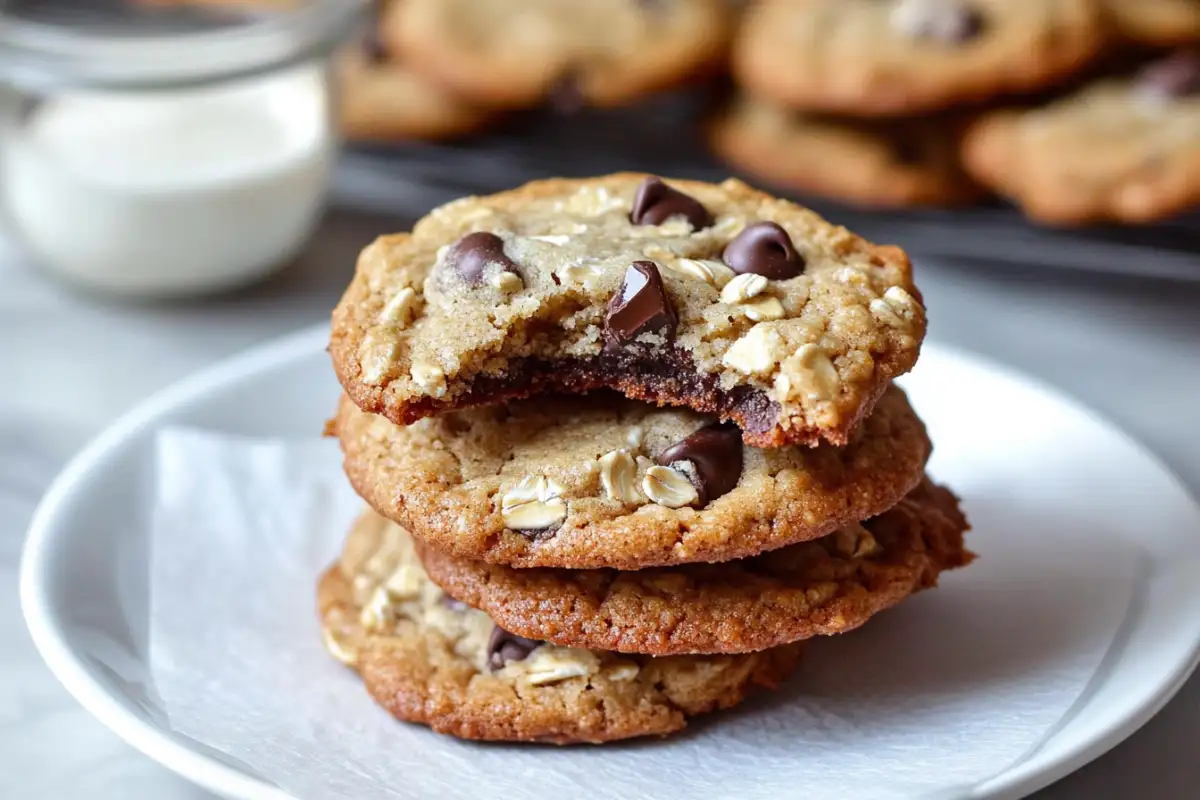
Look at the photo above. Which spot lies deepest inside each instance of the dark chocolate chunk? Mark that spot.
(373, 49)
(910, 147)
(1173, 77)
(655, 203)
(640, 306)
(765, 249)
(471, 254)
(504, 647)
(566, 95)
(941, 20)
(754, 411)
(715, 452)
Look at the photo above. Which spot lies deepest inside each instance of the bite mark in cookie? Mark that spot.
(584, 298)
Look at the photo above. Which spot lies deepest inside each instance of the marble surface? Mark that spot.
(70, 363)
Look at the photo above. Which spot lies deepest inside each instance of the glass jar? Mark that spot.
(155, 149)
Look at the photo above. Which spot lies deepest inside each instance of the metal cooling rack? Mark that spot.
(406, 180)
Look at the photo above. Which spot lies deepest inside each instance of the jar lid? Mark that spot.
(151, 44)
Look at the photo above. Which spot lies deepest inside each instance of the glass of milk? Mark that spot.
(153, 149)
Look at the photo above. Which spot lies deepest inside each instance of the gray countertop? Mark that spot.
(70, 363)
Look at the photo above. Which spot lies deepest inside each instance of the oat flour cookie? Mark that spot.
(831, 585)
(715, 297)
(429, 659)
(1121, 149)
(600, 481)
(884, 57)
(1156, 22)
(875, 163)
(517, 53)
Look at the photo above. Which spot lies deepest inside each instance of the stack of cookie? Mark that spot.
(891, 103)
(626, 444)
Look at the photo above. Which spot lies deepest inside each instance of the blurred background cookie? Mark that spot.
(1123, 149)
(871, 58)
(874, 163)
(1156, 22)
(384, 101)
(519, 53)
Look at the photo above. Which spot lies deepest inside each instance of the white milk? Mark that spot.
(174, 192)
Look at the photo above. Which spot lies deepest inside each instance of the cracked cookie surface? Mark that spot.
(601, 481)
(714, 297)
(1122, 149)
(517, 53)
(891, 57)
(827, 586)
(873, 163)
(431, 660)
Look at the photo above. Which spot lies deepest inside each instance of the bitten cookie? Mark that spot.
(874, 163)
(1156, 22)
(828, 586)
(435, 661)
(601, 481)
(1126, 150)
(517, 53)
(887, 57)
(715, 297)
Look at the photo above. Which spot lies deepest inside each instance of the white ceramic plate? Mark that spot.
(84, 584)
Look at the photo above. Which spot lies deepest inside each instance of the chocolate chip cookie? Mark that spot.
(887, 57)
(1126, 150)
(715, 297)
(601, 481)
(382, 101)
(518, 53)
(435, 661)
(1156, 22)
(874, 163)
(827, 586)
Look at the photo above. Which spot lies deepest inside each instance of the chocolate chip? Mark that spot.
(764, 249)
(753, 409)
(471, 254)
(655, 203)
(1173, 77)
(940, 20)
(504, 647)
(566, 95)
(715, 452)
(373, 49)
(909, 147)
(640, 306)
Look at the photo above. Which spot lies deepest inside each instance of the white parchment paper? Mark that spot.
(927, 700)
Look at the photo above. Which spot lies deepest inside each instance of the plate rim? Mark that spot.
(227, 780)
